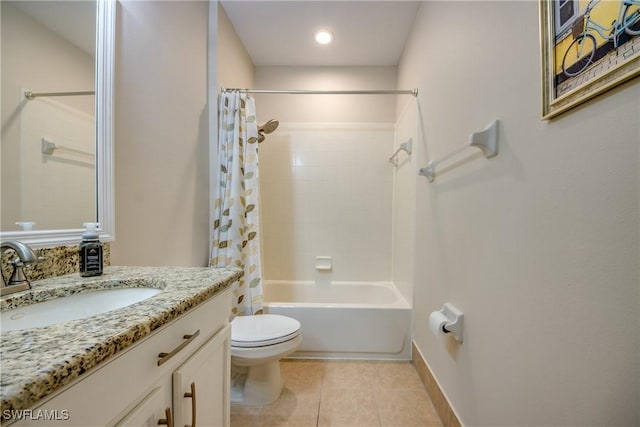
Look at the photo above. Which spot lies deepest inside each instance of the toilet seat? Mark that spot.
(263, 330)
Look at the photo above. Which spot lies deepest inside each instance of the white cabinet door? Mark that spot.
(201, 385)
(152, 411)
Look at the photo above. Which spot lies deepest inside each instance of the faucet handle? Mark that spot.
(24, 256)
(17, 276)
(17, 262)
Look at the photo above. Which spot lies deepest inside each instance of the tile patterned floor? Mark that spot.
(344, 394)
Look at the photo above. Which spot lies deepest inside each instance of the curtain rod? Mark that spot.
(413, 92)
(31, 95)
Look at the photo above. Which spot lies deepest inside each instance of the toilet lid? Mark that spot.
(262, 330)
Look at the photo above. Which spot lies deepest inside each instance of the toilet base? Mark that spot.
(255, 385)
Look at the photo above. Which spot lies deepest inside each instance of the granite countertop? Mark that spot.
(35, 362)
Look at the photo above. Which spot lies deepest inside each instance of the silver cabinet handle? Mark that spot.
(166, 356)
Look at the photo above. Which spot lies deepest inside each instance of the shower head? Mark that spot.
(269, 127)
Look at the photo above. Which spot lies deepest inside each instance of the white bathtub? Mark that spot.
(346, 320)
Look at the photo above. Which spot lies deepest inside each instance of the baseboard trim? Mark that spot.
(440, 402)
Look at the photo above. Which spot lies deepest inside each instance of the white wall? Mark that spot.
(161, 134)
(539, 247)
(164, 124)
(326, 185)
(326, 108)
(234, 65)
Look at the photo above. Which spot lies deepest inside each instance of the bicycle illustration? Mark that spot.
(581, 51)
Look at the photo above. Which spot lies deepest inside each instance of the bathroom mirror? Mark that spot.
(57, 144)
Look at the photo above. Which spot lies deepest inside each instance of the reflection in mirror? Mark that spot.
(56, 118)
(48, 142)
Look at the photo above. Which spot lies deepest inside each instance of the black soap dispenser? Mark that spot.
(90, 251)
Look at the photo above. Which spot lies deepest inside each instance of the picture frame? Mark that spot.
(587, 48)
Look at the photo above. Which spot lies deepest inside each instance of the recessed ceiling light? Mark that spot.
(324, 37)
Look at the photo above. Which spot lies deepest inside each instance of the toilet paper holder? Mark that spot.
(455, 321)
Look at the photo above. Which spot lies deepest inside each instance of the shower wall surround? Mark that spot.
(326, 189)
(404, 200)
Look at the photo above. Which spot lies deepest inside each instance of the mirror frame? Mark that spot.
(105, 54)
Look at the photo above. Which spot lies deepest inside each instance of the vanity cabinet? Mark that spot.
(200, 393)
(179, 372)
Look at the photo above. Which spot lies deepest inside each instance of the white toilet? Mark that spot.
(257, 345)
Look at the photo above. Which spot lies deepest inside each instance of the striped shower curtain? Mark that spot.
(234, 234)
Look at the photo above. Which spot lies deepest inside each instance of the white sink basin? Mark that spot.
(72, 307)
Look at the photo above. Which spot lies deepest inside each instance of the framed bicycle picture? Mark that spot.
(588, 47)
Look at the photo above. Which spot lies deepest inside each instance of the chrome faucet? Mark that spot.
(25, 256)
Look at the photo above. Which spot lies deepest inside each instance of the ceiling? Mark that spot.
(280, 33)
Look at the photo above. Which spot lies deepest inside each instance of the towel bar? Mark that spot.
(486, 140)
